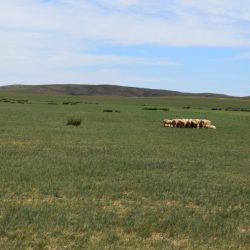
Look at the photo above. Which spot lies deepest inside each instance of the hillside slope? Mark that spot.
(100, 90)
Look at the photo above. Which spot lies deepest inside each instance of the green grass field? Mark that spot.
(120, 180)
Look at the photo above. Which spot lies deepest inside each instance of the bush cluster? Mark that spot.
(74, 121)
(20, 101)
(155, 109)
(232, 109)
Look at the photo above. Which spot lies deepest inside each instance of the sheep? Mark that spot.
(195, 123)
(174, 122)
(210, 126)
(177, 123)
(205, 122)
(188, 123)
(184, 123)
(167, 123)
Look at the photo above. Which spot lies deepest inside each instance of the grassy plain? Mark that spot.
(121, 180)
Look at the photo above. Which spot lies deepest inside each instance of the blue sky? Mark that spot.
(185, 45)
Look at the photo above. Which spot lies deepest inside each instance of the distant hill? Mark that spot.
(101, 90)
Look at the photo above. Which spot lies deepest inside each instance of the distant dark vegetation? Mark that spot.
(111, 110)
(232, 109)
(20, 101)
(96, 103)
(237, 109)
(155, 109)
(70, 103)
(226, 109)
(216, 108)
(25, 101)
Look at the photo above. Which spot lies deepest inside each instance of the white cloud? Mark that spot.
(183, 23)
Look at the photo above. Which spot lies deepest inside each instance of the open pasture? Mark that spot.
(120, 180)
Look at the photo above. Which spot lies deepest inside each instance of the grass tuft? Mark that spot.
(74, 121)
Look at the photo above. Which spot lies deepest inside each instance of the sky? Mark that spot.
(183, 45)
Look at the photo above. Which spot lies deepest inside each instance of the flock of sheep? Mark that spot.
(188, 123)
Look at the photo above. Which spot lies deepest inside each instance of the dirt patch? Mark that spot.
(3, 238)
(193, 206)
(244, 230)
(120, 207)
(37, 199)
(179, 242)
(96, 237)
(170, 203)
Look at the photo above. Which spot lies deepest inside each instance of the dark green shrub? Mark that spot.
(155, 109)
(237, 109)
(96, 103)
(70, 103)
(108, 110)
(164, 109)
(74, 121)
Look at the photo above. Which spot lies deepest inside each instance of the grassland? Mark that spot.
(120, 180)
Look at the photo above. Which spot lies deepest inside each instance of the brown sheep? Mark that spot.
(184, 123)
(188, 123)
(195, 123)
(177, 123)
(205, 122)
(180, 123)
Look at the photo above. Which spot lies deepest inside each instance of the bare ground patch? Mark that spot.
(182, 241)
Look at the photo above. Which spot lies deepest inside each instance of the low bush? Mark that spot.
(96, 103)
(74, 121)
(70, 103)
(164, 109)
(155, 109)
(21, 101)
(237, 109)
(108, 110)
